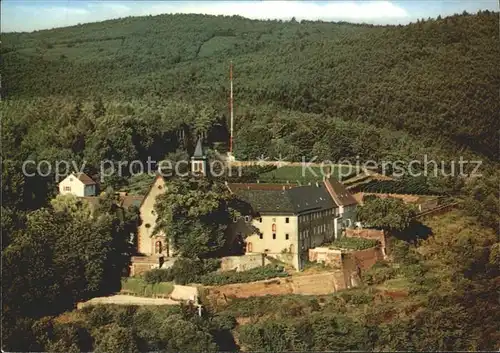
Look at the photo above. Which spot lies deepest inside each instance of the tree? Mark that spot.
(117, 339)
(72, 205)
(483, 199)
(194, 215)
(386, 213)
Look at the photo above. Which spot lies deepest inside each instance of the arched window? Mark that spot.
(249, 247)
(292, 248)
(158, 247)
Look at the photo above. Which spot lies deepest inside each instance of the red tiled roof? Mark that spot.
(339, 193)
(84, 178)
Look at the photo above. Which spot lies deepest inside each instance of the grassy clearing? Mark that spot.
(137, 286)
(304, 175)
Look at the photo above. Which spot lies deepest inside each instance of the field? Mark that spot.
(304, 174)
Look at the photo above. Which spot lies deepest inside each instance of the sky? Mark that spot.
(30, 15)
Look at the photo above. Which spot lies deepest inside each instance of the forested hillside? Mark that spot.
(129, 89)
(336, 88)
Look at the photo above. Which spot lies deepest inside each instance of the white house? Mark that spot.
(346, 205)
(78, 184)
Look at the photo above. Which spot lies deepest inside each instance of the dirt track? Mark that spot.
(127, 300)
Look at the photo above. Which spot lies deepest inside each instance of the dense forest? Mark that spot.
(143, 87)
(134, 88)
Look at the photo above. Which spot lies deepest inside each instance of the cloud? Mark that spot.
(288, 9)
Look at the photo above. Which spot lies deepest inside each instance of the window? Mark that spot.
(274, 219)
(249, 247)
(287, 220)
(274, 235)
(235, 219)
(70, 179)
(260, 219)
(158, 247)
(287, 236)
(261, 236)
(247, 219)
(67, 188)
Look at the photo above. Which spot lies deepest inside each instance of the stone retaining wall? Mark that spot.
(317, 284)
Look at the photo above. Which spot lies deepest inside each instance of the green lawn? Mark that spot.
(138, 287)
(304, 174)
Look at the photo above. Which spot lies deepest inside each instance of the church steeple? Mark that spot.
(199, 160)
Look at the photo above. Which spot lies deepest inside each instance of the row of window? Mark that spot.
(316, 230)
(248, 219)
(317, 215)
(287, 236)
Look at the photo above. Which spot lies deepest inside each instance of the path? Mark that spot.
(127, 300)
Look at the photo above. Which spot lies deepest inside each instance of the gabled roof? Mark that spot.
(84, 178)
(292, 200)
(339, 193)
(310, 198)
(266, 201)
(198, 151)
(258, 186)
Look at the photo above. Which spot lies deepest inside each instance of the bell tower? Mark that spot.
(199, 160)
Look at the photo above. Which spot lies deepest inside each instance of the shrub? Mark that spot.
(379, 273)
(224, 321)
(356, 297)
(118, 339)
(183, 271)
(158, 275)
(100, 315)
(186, 270)
(256, 274)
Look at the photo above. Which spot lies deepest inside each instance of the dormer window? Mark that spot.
(247, 219)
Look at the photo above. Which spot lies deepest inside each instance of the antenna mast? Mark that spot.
(231, 108)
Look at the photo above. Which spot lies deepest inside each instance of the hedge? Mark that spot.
(140, 287)
(256, 274)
